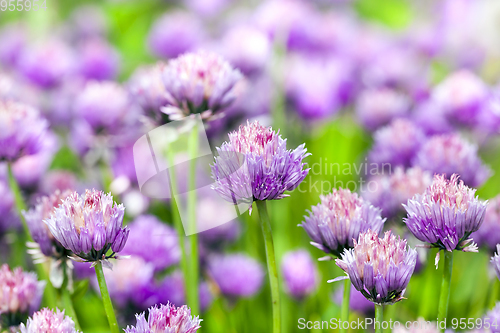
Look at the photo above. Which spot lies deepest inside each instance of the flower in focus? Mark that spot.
(237, 275)
(299, 273)
(489, 233)
(22, 130)
(396, 144)
(154, 241)
(338, 219)
(48, 321)
(166, 318)
(89, 225)
(392, 190)
(255, 165)
(200, 82)
(445, 215)
(448, 154)
(20, 294)
(380, 268)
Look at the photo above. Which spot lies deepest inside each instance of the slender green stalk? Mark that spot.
(193, 301)
(344, 310)
(65, 297)
(379, 318)
(494, 289)
(271, 264)
(106, 300)
(444, 298)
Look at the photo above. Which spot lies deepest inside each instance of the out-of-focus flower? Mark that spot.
(336, 222)
(492, 318)
(22, 130)
(446, 214)
(47, 64)
(380, 268)
(461, 96)
(489, 117)
(48, 321)
(489, 233)
(392, 190)
(357, 301)
(207, 8)
(448, 154)
(88, 21)
(270, 168)
(20, 294)
(495, 261)
(89, 225)
(13, 41)
(237, 275)
(430, 117)
(175, 33)
(396, 144)
(200, 82)
(377, 107)
(153, 241)
(7, 215)
(166, 318)
(299, 273)
(222, 235)
(61, 180)
(97, 60)
(419, 326)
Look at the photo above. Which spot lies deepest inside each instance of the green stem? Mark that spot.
(344, 311)
(106, 300)
(445, 286)
(271, 264)
(379, 318)
(495, 289)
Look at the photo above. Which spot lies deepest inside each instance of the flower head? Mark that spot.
(489, 233)
(380, 268)
(48, 321)
(89, 225)
(255, 165)
(98, 60)
(338, 219)
(446, 214)
(492, 318)
(22, 130)
(299, 273)
(166, 319)
(448, 154)
(199, 82)
(7, 215)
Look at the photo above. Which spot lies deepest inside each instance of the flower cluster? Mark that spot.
(48, 321)
(166, 318)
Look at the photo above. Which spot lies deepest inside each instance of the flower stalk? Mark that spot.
(379, 318)
(106, 300)
(344, 310)
(444, 297)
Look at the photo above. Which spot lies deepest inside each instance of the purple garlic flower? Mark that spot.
(489, 233)
(98, 60)
(22, 130)
(429, 116)
(357, 302)
(268, 168)
(380, 268)
(199, 82)
(396, 144)
(448, 154)
(461, 95)
(335, 223)
(13, 41)
(166, 318)
(446, 214)
(390, 191)
(89, 225)
(8, 217)
(48, 321)
(153, 241)
(237, 275)
(20, 294)
(495, 261)
(175, 33)
(377, 107)
(299, 273)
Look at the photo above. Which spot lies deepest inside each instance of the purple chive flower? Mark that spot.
(299, 273)
(20, 294)
(380, 268)
(357, 302)
(337, 221)
(377, 107)
(48, 321)
(446, 214)
(390, 191)
(495, 261)
(461, 95)
(154, 241)
(8, 218)
(492, 318)
(429, 116)
(199, 82)
(61, 180)
(175, 33)
(270, 168)
(396, 144)
(89, 225)
(166, 318)
(98, 60)
(237, 275)
(489, 233)
(13, 41)
(448, 154)
(22, 130)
